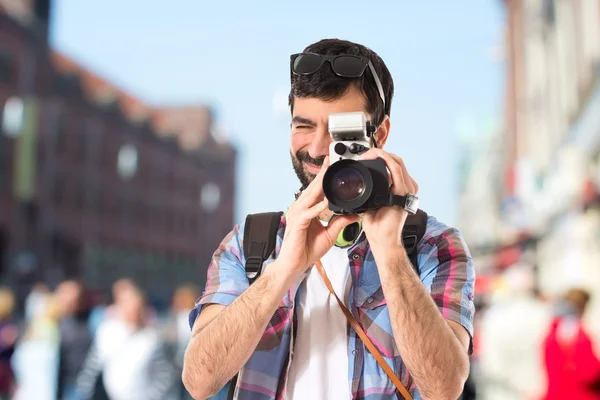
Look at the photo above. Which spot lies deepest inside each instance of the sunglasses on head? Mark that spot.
(343, 65)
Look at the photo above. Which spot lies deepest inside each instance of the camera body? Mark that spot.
(354, 186)
(351, 134)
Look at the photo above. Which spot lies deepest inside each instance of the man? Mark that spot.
(129, 354)
(510, 333)
(75, 335)
(285, 333)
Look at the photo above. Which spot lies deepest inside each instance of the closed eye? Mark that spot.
(303, 123)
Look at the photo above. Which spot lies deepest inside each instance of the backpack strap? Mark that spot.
(260, 237)
(413, 232)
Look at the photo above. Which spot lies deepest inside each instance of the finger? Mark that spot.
(412, 186)
(398, 183)
(317, 209)
(370, 154)
(340, 222)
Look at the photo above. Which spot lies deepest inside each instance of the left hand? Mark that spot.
(383, 227)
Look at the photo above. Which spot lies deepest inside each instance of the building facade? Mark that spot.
(97, 185)
(548, 204)
(553, 126)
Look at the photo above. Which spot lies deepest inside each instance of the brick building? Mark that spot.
(93, 183)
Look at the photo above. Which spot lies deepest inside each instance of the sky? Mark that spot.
(445, 58)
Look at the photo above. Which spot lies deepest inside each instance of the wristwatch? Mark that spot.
(409, 202)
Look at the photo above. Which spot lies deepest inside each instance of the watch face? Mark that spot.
(412, 203)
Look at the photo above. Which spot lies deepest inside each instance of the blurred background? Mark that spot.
(134, 134)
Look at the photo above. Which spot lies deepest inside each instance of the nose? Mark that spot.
(319, 146)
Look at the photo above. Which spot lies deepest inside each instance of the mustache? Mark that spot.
(303, 156)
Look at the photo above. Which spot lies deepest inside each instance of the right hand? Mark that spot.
(306, 240)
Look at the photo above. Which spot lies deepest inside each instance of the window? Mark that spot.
(66, 84)
(127, 161)
(60, 134)
(12, 118)
(210, 197)
(95, 197)
(7, 69)
(3, 166)
(193, 225)
(58, 189)
(82, 141)
(105, 150)
(122, 203)
(79, 199)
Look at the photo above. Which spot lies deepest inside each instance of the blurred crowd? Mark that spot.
(71, 344)
(534, 347)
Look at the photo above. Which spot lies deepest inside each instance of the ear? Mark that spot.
(381, 135)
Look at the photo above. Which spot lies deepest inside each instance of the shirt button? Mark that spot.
(355, 256)
(353, 352)
(370, 300)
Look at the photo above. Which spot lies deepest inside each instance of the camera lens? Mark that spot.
(347, 184)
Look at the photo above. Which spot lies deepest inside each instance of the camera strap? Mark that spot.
(363, 336)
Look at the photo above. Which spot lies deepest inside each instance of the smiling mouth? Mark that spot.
(312, 168)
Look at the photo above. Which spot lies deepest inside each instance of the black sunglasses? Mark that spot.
(344, 65)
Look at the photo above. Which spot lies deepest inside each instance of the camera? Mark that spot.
(353, 186)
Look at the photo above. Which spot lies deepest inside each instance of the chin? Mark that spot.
(309, 178)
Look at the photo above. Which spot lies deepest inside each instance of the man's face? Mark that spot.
(68, 295)
(310, 133)
(132, 307)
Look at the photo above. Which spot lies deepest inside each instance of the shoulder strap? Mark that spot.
(260, 239)
(260, 236)
(363, 336)
(413, 232)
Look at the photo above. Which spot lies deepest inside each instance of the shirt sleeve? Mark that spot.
(447, 271)
(226, 277)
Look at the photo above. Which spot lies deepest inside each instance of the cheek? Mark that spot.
(300, 141)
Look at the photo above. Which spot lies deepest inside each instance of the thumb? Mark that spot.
(339, 223)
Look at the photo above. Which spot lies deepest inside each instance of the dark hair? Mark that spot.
(578, 298)
(326, 85)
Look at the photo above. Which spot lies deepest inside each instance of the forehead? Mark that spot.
(318, 110)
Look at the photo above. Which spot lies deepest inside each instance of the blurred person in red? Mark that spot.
(572, 367)
(129, 353)
(8, 337)
(75, 335)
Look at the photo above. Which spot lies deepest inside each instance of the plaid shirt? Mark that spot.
(446, 270)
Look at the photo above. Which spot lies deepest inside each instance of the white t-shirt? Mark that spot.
(319, 367)
(126, 358)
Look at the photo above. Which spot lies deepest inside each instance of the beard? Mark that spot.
(304, 176)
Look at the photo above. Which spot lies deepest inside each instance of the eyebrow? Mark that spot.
(302, 120)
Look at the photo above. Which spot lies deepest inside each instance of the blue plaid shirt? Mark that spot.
(445, 268)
